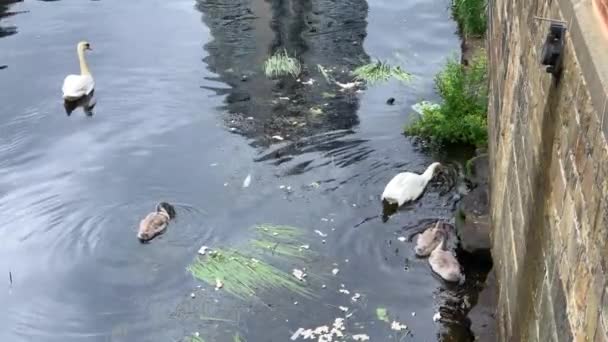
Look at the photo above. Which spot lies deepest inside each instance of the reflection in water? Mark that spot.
(87, 103)
(4, 12)
(313, 117)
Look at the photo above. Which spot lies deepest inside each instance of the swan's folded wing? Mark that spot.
(76, 86)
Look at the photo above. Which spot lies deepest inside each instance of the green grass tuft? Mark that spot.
(281, 64)
(471, 16)
(461, 116)
(381, 72)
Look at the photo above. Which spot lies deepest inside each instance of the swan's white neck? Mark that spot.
(430, 171)
(84, 68)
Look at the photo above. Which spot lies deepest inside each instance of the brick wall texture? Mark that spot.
(549, 161)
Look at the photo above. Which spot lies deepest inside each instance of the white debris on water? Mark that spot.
(218, 284)
(213, 164)
(413, 314)
(285, 98)
(348, 85)
(361, 337)
(343, 308)
(356, 297)
(322, 333)
(309, 82)
(398, 326)
(436, 317)
(402, 238)
(320, 233)
(203, 250)
(324, 219)
(299, 274)
(335, 271)
(247, 181)
(344, 291)
(304, 247)
(278, 137)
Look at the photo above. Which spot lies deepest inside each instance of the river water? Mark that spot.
(184, 114)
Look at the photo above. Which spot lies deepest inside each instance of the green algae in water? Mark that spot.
(379, 71)
(281, 64)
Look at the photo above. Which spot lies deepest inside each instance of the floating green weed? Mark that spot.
(244, 275)
(280, 232)
(381, 72)
(382, 314)
(281, 64)
(194, 338)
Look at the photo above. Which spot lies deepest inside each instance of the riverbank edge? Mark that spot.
(482, 313)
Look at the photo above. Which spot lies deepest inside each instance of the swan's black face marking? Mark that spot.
(87, 46)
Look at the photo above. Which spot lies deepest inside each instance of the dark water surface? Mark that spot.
(175, 121)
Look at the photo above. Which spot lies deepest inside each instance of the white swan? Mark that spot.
(444, 263)
(77, 86)
(408, 186)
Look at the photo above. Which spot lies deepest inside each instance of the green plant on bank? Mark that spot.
(380, 72)
(243, 275)
(471, 16)
(461, 115)
(281, 64)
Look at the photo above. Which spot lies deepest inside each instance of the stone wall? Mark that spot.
(549, 167)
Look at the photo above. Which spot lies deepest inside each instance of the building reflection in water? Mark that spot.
(4, 13)
(317, 117)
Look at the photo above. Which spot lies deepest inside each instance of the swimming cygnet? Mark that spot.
(428, 240)
(444, 263)
(155, 223)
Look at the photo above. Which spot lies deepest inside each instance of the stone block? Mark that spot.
(558, 184)
(558, 298)
(577, 297)
(594, 300)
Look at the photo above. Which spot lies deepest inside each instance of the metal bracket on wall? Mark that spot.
(553, 50)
